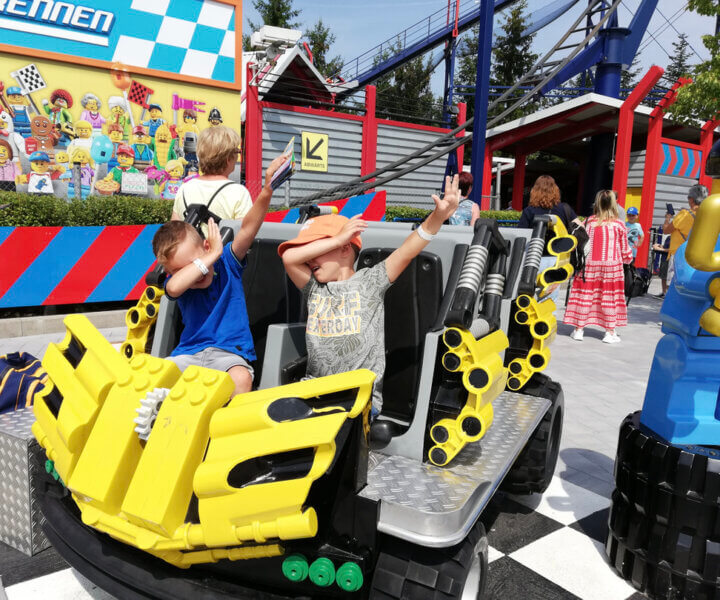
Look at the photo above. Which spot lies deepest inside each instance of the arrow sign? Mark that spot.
(314, 151)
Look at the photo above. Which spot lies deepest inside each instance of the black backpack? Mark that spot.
(577, 256)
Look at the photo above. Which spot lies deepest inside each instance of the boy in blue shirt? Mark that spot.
(206, 281)
(634, 230)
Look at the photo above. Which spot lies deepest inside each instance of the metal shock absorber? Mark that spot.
(494, 288)
(533, 254)
(487, 238)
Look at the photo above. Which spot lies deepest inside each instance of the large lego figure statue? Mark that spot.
(682, 402)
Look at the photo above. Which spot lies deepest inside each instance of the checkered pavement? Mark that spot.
(193, 37)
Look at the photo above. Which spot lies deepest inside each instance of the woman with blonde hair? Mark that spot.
(597, 296)
(217, 150)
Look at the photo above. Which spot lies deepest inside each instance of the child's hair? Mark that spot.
(545, 193)
(215, 147)
(174, 164)
(169, 237)
(189, 112)
(7, 147)
(465, 182)
(605, 207)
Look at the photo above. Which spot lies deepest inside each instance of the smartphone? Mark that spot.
(670, 209)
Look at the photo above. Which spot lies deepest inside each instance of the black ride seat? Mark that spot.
(411, 307)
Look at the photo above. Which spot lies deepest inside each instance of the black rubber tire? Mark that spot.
(533, 469)
(667, 484)
(404, 570)
(664, 562)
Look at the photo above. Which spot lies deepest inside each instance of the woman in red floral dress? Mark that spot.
(598, 298)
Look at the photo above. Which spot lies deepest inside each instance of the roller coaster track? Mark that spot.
(543, 71)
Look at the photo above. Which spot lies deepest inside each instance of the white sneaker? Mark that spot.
(611, 338)
(577, 334)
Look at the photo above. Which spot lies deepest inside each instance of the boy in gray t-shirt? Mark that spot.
(346, 311)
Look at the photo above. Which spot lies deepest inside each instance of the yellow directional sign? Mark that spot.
(314, 151)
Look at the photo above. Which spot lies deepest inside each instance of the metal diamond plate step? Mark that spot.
(436, 506)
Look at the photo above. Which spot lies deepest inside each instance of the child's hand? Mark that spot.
(274, 166)
(355, 226)
(448, 205)
(214, 239)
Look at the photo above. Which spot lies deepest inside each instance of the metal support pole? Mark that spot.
(482, 89)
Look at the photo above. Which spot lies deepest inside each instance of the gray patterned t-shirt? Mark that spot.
(346, 325)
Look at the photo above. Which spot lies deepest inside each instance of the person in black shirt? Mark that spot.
(544, 199)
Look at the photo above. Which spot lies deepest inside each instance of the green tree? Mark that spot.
(701, 99)
(512, 58)
(320, 38)
(279, 13)
(680, 63)
(629, 77)
(405, 93)
(466, 71)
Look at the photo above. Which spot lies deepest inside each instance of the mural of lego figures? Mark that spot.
(19, 104)
(44, 133)
(163, 147)
(9, 169)
(7, 132)
(118, 115)
(175, 170)
(80, 159)
(83, 137)
(115, 133)
(42, 174)
(59, 115)
(214, 117)
(142, 147)
(91, 113)
(155, 120)
(188, 134)
(125, 160)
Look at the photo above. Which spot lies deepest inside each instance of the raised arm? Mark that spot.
(251, 222)
(398, 261)
(296, 258)
(183, 279)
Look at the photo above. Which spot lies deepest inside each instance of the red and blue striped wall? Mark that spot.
(72, 265)
(680, 161)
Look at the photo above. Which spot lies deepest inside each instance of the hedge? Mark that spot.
(32, 210)
(409, 212)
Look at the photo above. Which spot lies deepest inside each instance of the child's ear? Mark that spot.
(206, 245)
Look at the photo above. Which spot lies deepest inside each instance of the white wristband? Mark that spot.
(201, 265)
(428, 237)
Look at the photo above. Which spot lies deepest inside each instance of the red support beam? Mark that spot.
(368, 160)
(706, 142)
(518, 181)
(625, 130)
(487, 179)
(253, 137)
(461, 118)
(653, 154)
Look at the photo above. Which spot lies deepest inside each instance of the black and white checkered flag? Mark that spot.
(29, 79)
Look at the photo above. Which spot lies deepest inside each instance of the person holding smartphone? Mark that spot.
(679, 225)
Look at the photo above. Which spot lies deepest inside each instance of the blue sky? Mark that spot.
(359, 26)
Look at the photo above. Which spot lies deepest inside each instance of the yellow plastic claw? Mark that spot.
(539, 318)
(700, 252)
(483, 376)
(560, 246)
(140, 319)
(710, 319)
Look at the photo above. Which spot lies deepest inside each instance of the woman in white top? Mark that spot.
(217, 153)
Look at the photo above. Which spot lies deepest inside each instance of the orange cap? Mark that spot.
(318, 228)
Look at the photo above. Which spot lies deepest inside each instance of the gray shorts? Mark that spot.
(212, 358)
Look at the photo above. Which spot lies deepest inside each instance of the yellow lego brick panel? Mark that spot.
(113, 449)
(81, 370)
(161, 488)
(140, 320)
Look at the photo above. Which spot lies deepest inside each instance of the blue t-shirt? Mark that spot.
(216, 317)
(463, 214)
(634, 232)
